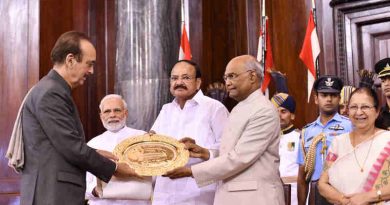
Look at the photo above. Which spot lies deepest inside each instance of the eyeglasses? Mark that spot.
(233, 76)
(363, 108)
(115, 111)
(183, 78)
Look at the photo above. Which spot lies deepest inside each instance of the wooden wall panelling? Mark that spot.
(102, 28)
(362, 37)
(215, 40)
(237, 28)
(230, 28)
(288, 24)
(196, 30)
(224, 36)
(325, 32)
(253, 25)
(358, 25)
(18, 72)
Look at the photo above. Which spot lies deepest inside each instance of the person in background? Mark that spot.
(56, 155)
(113, 115)
(382, 68)
(317, 136)
(190, 114)
(356, 167)
(289, 140)
(247, 168)
(344, 97)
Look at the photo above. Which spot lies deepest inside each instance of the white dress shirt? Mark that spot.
(203, 119)
(107, 141)
(288, 151)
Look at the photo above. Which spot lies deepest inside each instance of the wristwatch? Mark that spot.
(379, 195)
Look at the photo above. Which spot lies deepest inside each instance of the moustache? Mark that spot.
(180, 86)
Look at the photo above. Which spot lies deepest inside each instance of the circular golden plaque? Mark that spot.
(152, 154)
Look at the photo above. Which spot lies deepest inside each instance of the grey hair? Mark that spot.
(255, 65)
(112, 96)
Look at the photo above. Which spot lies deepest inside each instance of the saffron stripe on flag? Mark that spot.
(310, 52)
(185, 49)
(269, 61)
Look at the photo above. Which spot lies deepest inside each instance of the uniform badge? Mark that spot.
(309, 138)
(336, 127)
(291, 146)
(329, 82)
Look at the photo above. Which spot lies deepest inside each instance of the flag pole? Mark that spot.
(185, 48)
(310, 51)
(264, 32)
(182, 12)
(315, 23)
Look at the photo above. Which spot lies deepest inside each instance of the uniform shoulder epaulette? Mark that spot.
(308, 125)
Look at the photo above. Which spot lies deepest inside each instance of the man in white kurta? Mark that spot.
(113, 116)
(190, 114)
(288, 147)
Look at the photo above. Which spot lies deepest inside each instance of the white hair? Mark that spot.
(112, 96)
(255, 65)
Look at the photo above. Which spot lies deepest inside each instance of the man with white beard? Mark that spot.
(113, 114)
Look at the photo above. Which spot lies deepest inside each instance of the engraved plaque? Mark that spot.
(151, 155)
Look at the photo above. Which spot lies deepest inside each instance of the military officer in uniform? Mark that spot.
(289, 140)
(382, 68)
(317, 136)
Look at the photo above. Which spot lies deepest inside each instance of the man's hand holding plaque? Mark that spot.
(196, 151)
(124, 171)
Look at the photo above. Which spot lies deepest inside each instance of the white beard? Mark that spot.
(115, 127)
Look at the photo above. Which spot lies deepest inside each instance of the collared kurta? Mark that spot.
(203, 119)
(107, 141)
(336, 126)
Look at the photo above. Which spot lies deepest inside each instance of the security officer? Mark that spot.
(317, 136)
(289, 140)
(382, 68)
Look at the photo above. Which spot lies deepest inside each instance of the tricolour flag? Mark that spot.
(269, 60)
(310, 52)
(185, 49)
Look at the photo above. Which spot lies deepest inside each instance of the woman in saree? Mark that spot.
(357, 169)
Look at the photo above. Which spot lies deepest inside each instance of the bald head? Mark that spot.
(249, 63)
(243, 76)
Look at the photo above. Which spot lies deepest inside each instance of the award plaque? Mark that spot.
(152, 154)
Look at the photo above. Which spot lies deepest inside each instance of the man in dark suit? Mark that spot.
(56, 155)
